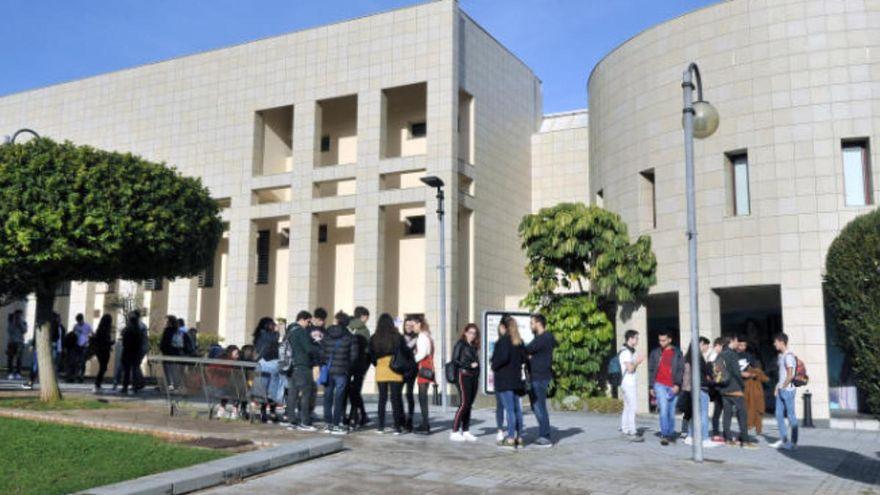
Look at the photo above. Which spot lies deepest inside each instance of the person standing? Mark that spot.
(718, 346)
(358, 326)
(540, 351)
(383, 346)
(83, 331)
(629, 363)
(732, 393)
(701, 388)
(131, 352)
(501, 432)
(409, 381)
(266, 344)
(304, 352)
(508, 359)
(316, 331)
(466, 359)
(173, 343)
(424, 357)
(785, 392)
(101, 344)
(666, 371)
(339, 351)
(15, 332)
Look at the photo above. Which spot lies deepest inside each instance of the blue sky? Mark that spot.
(51, 41)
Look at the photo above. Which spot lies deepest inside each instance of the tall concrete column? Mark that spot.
(242, 261)
(81, 301)
(803, 320)
(183, 299)
(632, 317)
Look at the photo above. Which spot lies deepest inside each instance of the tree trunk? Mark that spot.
(49, 391)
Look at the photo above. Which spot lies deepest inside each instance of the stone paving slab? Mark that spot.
(213, 473)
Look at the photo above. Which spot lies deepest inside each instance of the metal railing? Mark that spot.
(211, 380)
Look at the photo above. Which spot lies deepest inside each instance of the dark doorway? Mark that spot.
(662, 314)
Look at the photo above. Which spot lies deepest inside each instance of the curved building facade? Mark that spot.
(797, 85)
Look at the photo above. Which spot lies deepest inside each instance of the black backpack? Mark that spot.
(615, 372)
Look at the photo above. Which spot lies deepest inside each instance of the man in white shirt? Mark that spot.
(83, 331)
(629, 362)
(785, 394)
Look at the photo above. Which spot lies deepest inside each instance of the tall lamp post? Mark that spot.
(437, 183)
(11, 140)
(700, 120)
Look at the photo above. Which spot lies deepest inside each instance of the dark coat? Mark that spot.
(266, 345)
(507, 365)
(341, 344)
(677, 365)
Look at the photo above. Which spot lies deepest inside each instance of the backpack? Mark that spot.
(720, 373)
(800, 373)
(451, 371)
(615, 372)
(285, 354)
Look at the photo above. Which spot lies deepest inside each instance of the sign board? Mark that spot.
(491, 319)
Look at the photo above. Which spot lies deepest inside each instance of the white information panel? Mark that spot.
(491, 319)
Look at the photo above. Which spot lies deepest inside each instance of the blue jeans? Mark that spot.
(334, 393)
(704, 413)
(499, 411)
(785, 406)
(272, 380)
(513, 410)
(539, 407)
(666, 401)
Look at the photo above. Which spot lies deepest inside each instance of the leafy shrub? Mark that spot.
(583, 334)
(852, 287)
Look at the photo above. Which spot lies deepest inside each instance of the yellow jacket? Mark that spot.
(384, 373)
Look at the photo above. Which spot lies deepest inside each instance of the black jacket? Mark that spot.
(266, 345)
(341, 344)
(463, 355)
(507, 364)
(677, 365)
(541, 351)
(165, 345)
(731, 361)
(304, 350)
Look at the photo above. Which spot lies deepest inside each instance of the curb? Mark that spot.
(221, 471)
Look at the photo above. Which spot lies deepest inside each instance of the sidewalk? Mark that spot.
(590, 457)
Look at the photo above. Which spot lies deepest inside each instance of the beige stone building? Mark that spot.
(797, 85)
(315, 141)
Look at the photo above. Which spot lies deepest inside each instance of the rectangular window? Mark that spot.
(600, 198)
(857, 173)
(415, 225)
(63, 289)
(263, 257)
(648, 198)
(154, 284)
(206, 278)
(739, 196)
(322, 233)
(418, 129)
(325, 144)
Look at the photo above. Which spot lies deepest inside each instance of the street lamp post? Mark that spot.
(11, 140)
(437, 183)
(700, 120)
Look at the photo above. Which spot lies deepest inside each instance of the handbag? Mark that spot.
(324, 374)
(403, 362)
(451, 371)
(427, 374)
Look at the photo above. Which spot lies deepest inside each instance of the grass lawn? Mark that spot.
(69, 403)
(46, 458)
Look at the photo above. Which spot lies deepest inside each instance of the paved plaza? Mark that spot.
(590, 457)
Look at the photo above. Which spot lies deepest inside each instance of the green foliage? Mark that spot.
(82, 458)
(572, 244)
(583, 334)
(601, 405)
(852, 286)
(580, 263)
(72, 212)
(71, 403)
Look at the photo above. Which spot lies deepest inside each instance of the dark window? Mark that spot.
(322, 233)
(857, 173)
(153, 284)
(325, 143)
(206, 278)
(418, 129)
(263, 257)
(415, 225)
(63, 289)
(285, 237)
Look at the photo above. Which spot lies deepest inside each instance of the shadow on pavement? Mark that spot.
(438, 426)
(838, 462)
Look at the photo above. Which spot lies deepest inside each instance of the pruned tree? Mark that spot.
(72, 212)
(580, 264)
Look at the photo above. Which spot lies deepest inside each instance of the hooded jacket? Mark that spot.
(339, 343)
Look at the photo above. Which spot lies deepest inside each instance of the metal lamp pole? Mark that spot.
(700, 119)
(437, 183)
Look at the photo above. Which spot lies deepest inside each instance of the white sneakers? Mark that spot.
(777, 444)
(468, 437)
(456, 436)
(499, 437)
(709, 444)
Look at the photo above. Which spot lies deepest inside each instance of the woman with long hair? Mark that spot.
(508, 360)
(466, 359)
(266, 344)
(383, 345)
(101, 343)
(409, 381)
(499, 405)
(424, 357)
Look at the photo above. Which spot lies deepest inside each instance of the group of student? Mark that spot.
(729, 378)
